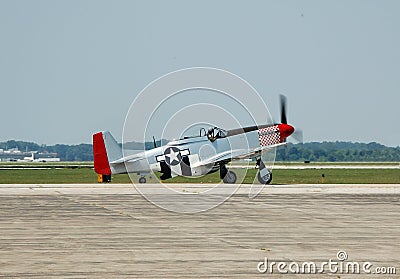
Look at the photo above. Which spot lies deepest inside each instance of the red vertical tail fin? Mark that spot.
(101, 164)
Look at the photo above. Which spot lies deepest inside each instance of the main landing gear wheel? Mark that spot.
(142, 179)
(265, 179)
(264, 176)
(230, 178)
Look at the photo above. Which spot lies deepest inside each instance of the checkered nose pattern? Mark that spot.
(268, 136)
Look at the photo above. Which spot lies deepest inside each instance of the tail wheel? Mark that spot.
(266, 179)
(107, 178)
(230, 178)
(142, 180)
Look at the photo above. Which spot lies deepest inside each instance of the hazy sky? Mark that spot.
(71, 68)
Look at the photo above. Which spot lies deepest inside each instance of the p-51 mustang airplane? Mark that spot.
(183, 157)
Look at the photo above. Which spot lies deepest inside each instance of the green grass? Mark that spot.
(338, 163)
(47, 176)
(40, 164)
(87, 175)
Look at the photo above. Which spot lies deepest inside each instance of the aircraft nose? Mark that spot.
(285, 130)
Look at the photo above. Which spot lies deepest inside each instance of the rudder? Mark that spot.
(101, 164)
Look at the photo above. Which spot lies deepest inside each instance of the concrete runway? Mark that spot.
(111, 231)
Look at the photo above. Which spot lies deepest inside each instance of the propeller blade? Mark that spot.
(298, 136)
(283, 109)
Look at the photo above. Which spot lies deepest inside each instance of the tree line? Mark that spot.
(312, 151)
(338, 152)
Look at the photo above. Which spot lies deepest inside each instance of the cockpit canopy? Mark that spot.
(216, 133)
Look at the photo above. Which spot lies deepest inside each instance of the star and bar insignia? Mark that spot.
(172, 155)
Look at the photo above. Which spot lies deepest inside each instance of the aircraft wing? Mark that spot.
(228, 155)
(268, 147)
(237, 154)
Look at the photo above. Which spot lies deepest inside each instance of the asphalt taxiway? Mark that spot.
(110, 230)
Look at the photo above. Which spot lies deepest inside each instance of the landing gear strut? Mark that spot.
(227, 176)
(264, 175)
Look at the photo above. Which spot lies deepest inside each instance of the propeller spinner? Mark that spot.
(285, 129)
